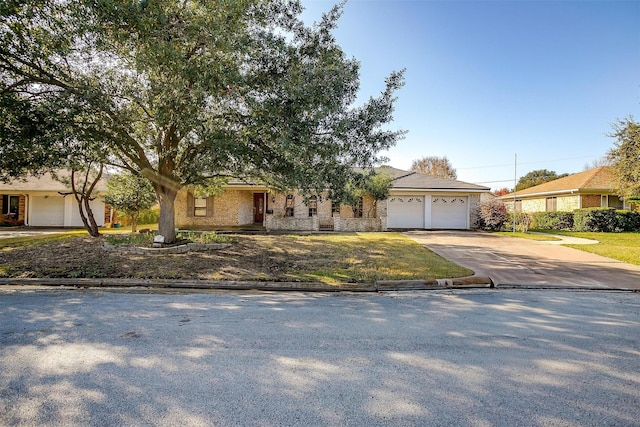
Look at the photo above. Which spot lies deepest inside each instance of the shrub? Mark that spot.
(148, 216)
(523, 222)
(628, 220)
(553, 220)
(492, 215)
(595, 219)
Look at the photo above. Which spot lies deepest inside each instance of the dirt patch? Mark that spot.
(248, 258)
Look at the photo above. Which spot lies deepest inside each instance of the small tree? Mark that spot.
(440, 167)
(130, 194)
(377, 186)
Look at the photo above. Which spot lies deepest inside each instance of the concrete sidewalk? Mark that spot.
(523, 262)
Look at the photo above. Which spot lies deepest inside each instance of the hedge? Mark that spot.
(606, 220)
(552, 220)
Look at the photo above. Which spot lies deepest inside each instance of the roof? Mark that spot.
(45, 182)
(407, 180)
(600, 179)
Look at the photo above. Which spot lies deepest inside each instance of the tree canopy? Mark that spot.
(537, 177)
(185, 91)
(625, 158)
(130, 194)
(440, 167)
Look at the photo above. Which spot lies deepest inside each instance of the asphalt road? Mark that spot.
(474, 357)
(513, 261)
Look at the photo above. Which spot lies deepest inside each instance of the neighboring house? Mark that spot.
(589, 189)
(45, 202)
(416, 201)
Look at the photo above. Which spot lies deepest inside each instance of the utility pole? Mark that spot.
(515, 181)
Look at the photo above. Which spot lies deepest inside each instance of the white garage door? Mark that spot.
(449, 212)
(47, 211)
(405, 212)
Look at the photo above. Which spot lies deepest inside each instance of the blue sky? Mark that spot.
(486, 80)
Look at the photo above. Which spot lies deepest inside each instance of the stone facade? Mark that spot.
(284, 211)
(233, 207)
(568, 203)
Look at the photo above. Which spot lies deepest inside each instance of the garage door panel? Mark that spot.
(405, 212)
(47, 211)
(449, 212)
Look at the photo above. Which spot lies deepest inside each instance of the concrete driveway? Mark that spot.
(514, 261)
(9, 232)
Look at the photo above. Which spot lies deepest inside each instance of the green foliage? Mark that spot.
(625, 158)
(552, 220)
(537, 177)
(378, 185)
(184, 92)
(147, 216)
(146, 239)
(440, 167)
(595, 219)
(523, 222)
(130, 194)
(628, 220)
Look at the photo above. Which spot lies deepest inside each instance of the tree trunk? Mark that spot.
(134, 222)
(166, 223)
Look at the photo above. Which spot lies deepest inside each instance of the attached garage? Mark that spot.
(46, 211)
(405, 211)
(449, 212)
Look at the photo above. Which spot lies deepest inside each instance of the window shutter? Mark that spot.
(209, 206)
(191, 205)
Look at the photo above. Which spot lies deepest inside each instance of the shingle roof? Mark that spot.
(45, 182)
(600, 178)
(407, 180)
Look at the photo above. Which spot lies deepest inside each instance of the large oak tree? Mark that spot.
(182, 91)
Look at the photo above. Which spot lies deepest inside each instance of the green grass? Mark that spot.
(621, 246)
(366, 257)
(530, 236)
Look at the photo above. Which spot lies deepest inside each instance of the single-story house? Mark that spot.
(416, 201)
(589, 189)
(42, 201)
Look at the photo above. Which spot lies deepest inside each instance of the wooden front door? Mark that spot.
(258, 208)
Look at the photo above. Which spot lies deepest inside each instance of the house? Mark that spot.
(416, 201)
(43, 201)
(589, 189)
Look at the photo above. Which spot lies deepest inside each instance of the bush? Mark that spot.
(628, 220)
(491, 215)
(552, 220)
(595, 219)
(149, 216)
(523, 222)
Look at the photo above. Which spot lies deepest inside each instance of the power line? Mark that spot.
(528, 163)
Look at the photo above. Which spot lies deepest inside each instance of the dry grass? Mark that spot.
(329, 258)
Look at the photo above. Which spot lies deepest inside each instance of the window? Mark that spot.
(357, 209)
(552, 204)
(313, 206)
(10, 205)
(518, 205)
(615, 202)
(200, 206)
(335, 208)
(288, 207)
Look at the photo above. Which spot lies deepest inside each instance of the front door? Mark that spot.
(258, 208)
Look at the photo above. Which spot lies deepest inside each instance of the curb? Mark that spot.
(378, 286)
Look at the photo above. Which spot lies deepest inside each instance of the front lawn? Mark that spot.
(621, 246)
(328, 258)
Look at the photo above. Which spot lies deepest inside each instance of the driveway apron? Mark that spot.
(515, 261)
